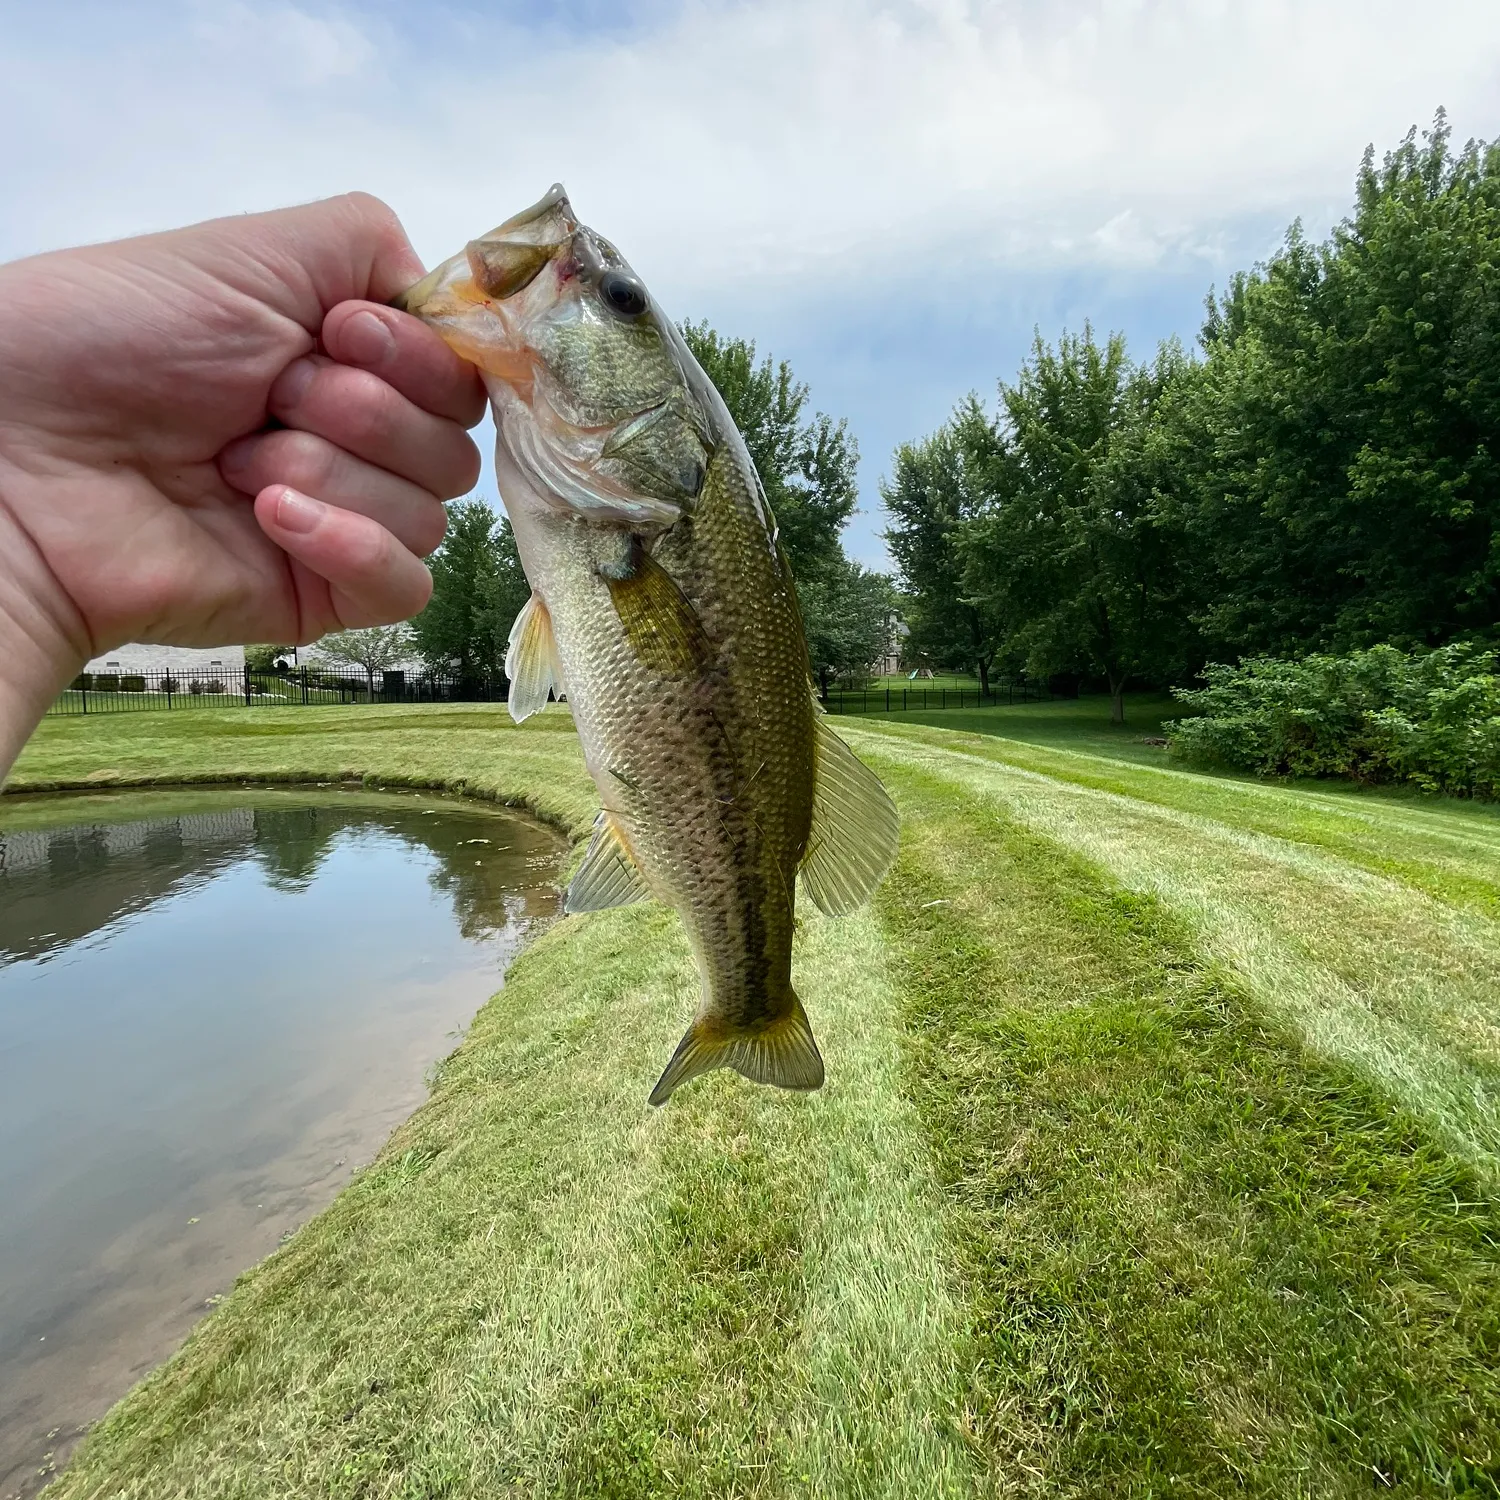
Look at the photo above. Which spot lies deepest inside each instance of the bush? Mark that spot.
(107, 682)
(169, 684)
(205, 685)
(133, 683)
(1431, 718)
(268, 658)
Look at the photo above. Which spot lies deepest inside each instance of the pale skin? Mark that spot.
(218, 434)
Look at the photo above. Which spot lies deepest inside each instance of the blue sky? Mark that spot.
(890, 195)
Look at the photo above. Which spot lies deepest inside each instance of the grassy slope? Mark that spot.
(1157, 1158)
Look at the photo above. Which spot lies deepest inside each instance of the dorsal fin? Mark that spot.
(855, 828)
(531, 660)
(608, 875)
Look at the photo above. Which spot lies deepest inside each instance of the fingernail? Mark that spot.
(366, 340)
(299, 513)
(291, 385)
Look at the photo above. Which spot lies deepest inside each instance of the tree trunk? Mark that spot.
(1116, 699)
(984, 677)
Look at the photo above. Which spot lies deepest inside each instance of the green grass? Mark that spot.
(1158, 1157)
(1070, 723)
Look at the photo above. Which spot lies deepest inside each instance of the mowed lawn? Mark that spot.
(1159, 1157)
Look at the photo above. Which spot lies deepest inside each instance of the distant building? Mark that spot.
(179, 660)
(889, 664)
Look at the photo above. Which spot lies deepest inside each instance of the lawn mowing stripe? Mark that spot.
(795, 1333)
(1199, 1262)
(1449, 849)
(1369, 970)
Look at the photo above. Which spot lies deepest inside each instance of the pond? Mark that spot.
(214, 1007)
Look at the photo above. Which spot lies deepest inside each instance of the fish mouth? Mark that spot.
(506, 259)
(553, 203)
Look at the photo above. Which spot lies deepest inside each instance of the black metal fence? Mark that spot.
(900, 700)
(221, 687)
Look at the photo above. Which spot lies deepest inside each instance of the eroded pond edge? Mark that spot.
(367, 781)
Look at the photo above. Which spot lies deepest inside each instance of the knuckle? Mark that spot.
(364, 404)
(369, 550)
(305, 461)
(375, 213)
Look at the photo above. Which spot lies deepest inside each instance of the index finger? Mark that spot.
(407, 355)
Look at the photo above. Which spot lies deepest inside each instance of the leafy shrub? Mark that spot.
(169, 684)
(133, 682)
(107, 682)
(205, 685)
(1431, 718)
(268, 658)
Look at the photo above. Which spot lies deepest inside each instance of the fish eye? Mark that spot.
(623, 295)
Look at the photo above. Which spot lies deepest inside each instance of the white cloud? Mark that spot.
(787, 142)
(816, 168)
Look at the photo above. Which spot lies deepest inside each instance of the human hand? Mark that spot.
(209, 436)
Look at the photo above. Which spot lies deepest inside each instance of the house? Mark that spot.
(179, 661)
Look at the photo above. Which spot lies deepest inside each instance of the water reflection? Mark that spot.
(59, 884)
(213, 1006)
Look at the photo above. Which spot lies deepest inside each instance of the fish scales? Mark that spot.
(664, 608)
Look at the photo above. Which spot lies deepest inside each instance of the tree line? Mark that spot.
(1320, 475)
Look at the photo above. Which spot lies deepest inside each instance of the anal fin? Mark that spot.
(855, 828)
(531, 660)
(608, 875)
(783, 1053)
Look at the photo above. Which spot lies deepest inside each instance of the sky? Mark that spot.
(893, 197)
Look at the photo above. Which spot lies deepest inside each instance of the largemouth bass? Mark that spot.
(663, 608)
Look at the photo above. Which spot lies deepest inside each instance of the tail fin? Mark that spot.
(783, 1053)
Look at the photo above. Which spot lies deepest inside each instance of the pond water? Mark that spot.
(214, 1006)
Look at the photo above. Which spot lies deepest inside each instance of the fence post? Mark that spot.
(247, 687)
(168, 685)
(85, 686)
(304, 686)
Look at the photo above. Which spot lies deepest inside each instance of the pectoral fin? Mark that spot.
(783, 1053)
(608, 875)
(855, 828)
(660, 624)
(531, 661)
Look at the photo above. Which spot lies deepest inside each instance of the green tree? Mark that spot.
(847, 614)
(937, 486)
(1345, 432)
(478, 588)
(808, 465)
(375, 648)
(1068, 547)
(268, 658)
